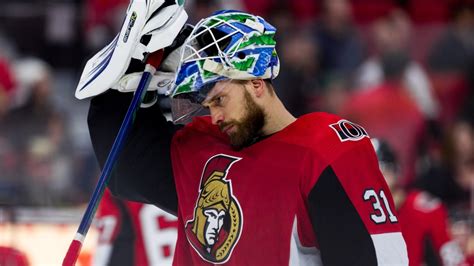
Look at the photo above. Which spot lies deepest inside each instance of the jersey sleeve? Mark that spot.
(437, 216)
(352, 211)
(116, 233)
(143, 171)
(448, 250)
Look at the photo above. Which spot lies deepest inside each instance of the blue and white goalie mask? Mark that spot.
(227, 45)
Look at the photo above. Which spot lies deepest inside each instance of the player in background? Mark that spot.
(133, 234)
(12, 257)
(250, 183)
(423, 217)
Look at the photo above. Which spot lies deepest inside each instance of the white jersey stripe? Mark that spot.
(391, 249)
(300, 255)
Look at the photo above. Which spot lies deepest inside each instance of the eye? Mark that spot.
(218, 101)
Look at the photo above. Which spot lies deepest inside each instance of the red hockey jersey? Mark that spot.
(132, 233)
(307, 195)
(424, 218)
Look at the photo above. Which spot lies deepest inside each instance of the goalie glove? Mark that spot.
(150, 25)
(164, 76)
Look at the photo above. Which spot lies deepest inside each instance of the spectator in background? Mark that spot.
(449, 174)
(463, 141)
(451, 62)
(340, 47)
(391, 34)
(298, 53)
(36, 129)
(462, 196)
(454, 51)
(335, 92)
(423, 217)
(134, 234)
(446, 171)
(388, 111)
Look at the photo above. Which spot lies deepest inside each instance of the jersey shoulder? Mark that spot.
(327, 134)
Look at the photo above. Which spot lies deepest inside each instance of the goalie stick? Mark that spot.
(153, 61)
(159, 21)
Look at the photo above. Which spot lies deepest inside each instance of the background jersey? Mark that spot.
(424, 219)
(132, 233)
(12, 257)
(309, 194)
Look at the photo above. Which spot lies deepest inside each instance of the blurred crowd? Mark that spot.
(404, 70)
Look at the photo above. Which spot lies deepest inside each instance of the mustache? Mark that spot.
(225, 124)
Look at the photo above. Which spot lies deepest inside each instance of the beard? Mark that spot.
(249, 127)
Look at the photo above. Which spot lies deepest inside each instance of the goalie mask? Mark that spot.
(227, 45)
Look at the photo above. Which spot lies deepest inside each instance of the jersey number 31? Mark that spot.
(379, 215)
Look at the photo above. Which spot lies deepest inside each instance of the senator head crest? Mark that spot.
(217, 223)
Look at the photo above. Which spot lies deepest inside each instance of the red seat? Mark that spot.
(426, 11)
(367, 11)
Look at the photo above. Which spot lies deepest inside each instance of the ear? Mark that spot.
(258, 87)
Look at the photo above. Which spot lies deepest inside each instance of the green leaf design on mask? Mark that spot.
(244, 65)
(185, 86)
(264, 39)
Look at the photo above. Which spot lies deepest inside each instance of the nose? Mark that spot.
(217, 116)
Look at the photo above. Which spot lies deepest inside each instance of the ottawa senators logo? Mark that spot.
(347, 130)
(217, 223)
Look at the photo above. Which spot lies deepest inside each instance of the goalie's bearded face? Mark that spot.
(236, 113)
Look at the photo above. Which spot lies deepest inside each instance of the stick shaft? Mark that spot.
(75, 246)
(113, 155)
